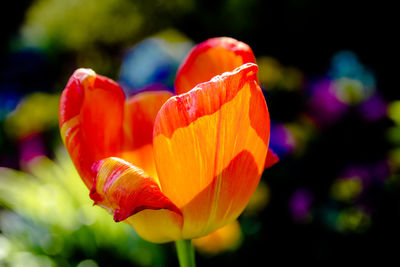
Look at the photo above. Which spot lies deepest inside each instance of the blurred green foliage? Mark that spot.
(34, 114)
(50, 220)
(76, 25)
(273, 75)
(346, 189)
(92, 32)
(353, 220)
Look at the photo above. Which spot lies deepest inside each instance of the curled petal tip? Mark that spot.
(249, 69)
(82, 73)
(122, 214)
(83, 76)
(125, 190)
(117, 216)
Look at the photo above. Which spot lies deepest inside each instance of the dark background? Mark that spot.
(304, 34)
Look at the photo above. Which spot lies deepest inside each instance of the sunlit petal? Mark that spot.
(158, 226)
(91, 116)
(210, 146)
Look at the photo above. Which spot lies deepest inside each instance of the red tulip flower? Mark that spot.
(173, 167)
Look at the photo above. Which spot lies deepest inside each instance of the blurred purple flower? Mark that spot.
(300, 204)
(282, 141)
(374, 172)
(31, 147)
(325, 107)
(381, 170)
(373, 109)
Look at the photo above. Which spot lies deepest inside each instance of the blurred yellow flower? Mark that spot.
(227, 238)
(346, 189)
(34, 114)
(259, 200)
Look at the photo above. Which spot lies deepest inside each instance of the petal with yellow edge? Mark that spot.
(210, 58)
(97, 122)
(91, 117)
(210, 146)
(99, 127)
(125, 190)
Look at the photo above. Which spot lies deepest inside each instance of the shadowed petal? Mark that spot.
(140, 112)
(271, 159)
(210, 58)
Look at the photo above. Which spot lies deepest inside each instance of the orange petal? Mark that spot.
(271, 159)
(140, 112)
(212, 57)
(97, 125)
(125, 190)
(210, 146)
(91, 116)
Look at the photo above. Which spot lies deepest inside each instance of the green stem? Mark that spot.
(185, 251)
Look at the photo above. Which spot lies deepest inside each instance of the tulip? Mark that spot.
(174, 167)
